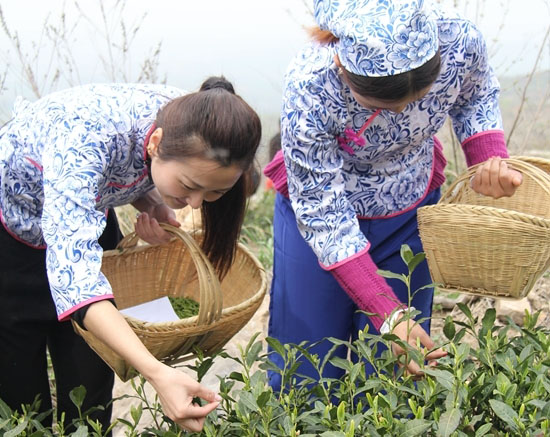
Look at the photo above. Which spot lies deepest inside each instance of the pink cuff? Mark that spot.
(366, 288)
(276, 171)
(484, 145)
(438, 173)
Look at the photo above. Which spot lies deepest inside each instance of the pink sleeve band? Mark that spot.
(276, 171)
(65, 316)
(439, 163)
(484, 145)
(366, 288)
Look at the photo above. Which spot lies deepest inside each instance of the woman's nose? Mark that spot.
(195, 199)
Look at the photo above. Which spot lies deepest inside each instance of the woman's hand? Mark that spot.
(147, 224)
(176, 391)
(412, 333)
(495, 179)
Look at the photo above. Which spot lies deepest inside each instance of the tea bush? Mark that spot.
(495, 384)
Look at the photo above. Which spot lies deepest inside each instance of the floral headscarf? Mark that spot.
(380, 37)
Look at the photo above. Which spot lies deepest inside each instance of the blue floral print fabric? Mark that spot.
(64, 160)
(380, 37)
(388, 173)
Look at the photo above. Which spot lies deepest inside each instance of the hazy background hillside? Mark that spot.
(64, 43)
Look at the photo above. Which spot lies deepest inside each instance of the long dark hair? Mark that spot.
(390, 88)
(214, 123)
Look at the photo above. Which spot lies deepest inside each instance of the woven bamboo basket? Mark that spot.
(490, 247)
(141, 273)
(541, 163)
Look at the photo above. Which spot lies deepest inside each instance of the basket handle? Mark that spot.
(211, 298)
(525, 168)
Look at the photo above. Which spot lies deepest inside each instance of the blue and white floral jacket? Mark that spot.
(336, 173)
(64, 160)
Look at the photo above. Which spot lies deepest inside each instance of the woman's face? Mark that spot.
(396, 106)
(372, 103)
(192, 181)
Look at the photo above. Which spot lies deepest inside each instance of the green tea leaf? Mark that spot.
(466, 311)
(5, 411)
(247, 399)
(449, 328)
(264, 398)
(415, 427)
(136, 412)
(417, 259)
(443, 377)
(276, 345)
(391, 275)
(341, 363)
(406, 253)
(341, 413)
(449, 421)
(237, 376)
(82, 431)
(483, 429)
(77, 395)
(489, 320)
(505, 412)
(15, 432)
(253, 352)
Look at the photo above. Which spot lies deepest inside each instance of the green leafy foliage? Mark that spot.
(497, 385)
(500, 388)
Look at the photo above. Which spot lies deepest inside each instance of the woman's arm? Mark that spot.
(176, 390)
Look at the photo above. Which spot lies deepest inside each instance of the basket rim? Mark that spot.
(480, 211)
(479, 292)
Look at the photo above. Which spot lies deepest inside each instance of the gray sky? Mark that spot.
(249, 41)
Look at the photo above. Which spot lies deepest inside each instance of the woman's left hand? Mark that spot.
(412, 333)
(495, 179)
(147, 224)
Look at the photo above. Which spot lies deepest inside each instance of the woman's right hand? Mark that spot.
(409, 331)
(176, 391)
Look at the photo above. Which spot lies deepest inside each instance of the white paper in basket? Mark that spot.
(158, 310)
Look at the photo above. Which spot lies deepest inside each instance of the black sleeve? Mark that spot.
(79, 314)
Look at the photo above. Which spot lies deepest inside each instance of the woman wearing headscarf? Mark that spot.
(362, 104)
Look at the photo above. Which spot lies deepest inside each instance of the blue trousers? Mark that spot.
(308, 304)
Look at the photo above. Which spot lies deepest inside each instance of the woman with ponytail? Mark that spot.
(65, 161)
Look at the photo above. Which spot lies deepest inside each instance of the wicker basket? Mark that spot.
(140, 274)
(490, 247)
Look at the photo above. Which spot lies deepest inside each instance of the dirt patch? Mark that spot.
(539, 298)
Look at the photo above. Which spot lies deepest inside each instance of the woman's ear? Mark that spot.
(154, 141)
(337, 61)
